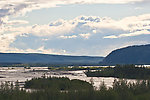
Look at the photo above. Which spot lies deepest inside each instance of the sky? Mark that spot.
(73, 27)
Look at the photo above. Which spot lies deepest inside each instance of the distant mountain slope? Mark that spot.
(47, 58)
(129, 55)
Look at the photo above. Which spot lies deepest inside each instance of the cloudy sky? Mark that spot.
(73, 27)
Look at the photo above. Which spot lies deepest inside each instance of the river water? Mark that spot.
(13, 74)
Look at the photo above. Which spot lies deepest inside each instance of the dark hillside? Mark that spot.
(46, 59)
(129, 55)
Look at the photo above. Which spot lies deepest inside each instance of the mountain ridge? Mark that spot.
(47, 58)
(136, 54)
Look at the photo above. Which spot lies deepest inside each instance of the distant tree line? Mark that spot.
(122, 71)
(74, 68)
(42, 65)
(31, 65)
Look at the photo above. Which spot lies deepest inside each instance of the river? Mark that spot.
(13, 74)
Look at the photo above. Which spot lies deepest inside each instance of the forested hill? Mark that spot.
(129, 55)
(46, 59)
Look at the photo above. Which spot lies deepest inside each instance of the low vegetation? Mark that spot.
(121, 90)
(57, 84)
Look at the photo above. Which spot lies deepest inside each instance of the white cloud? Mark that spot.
(129, 26)
(58, 28)
(129, 23)
(135, 33)
(68, 37)
(20, 7)
(6, 40)
(94, 31)
(110, 37)
(16, 22)
(79, 27)
(46, 30)
(38, 50)
(129, 34)
(139, 8)
(44, 39)
(86, 36)
(45, 51)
